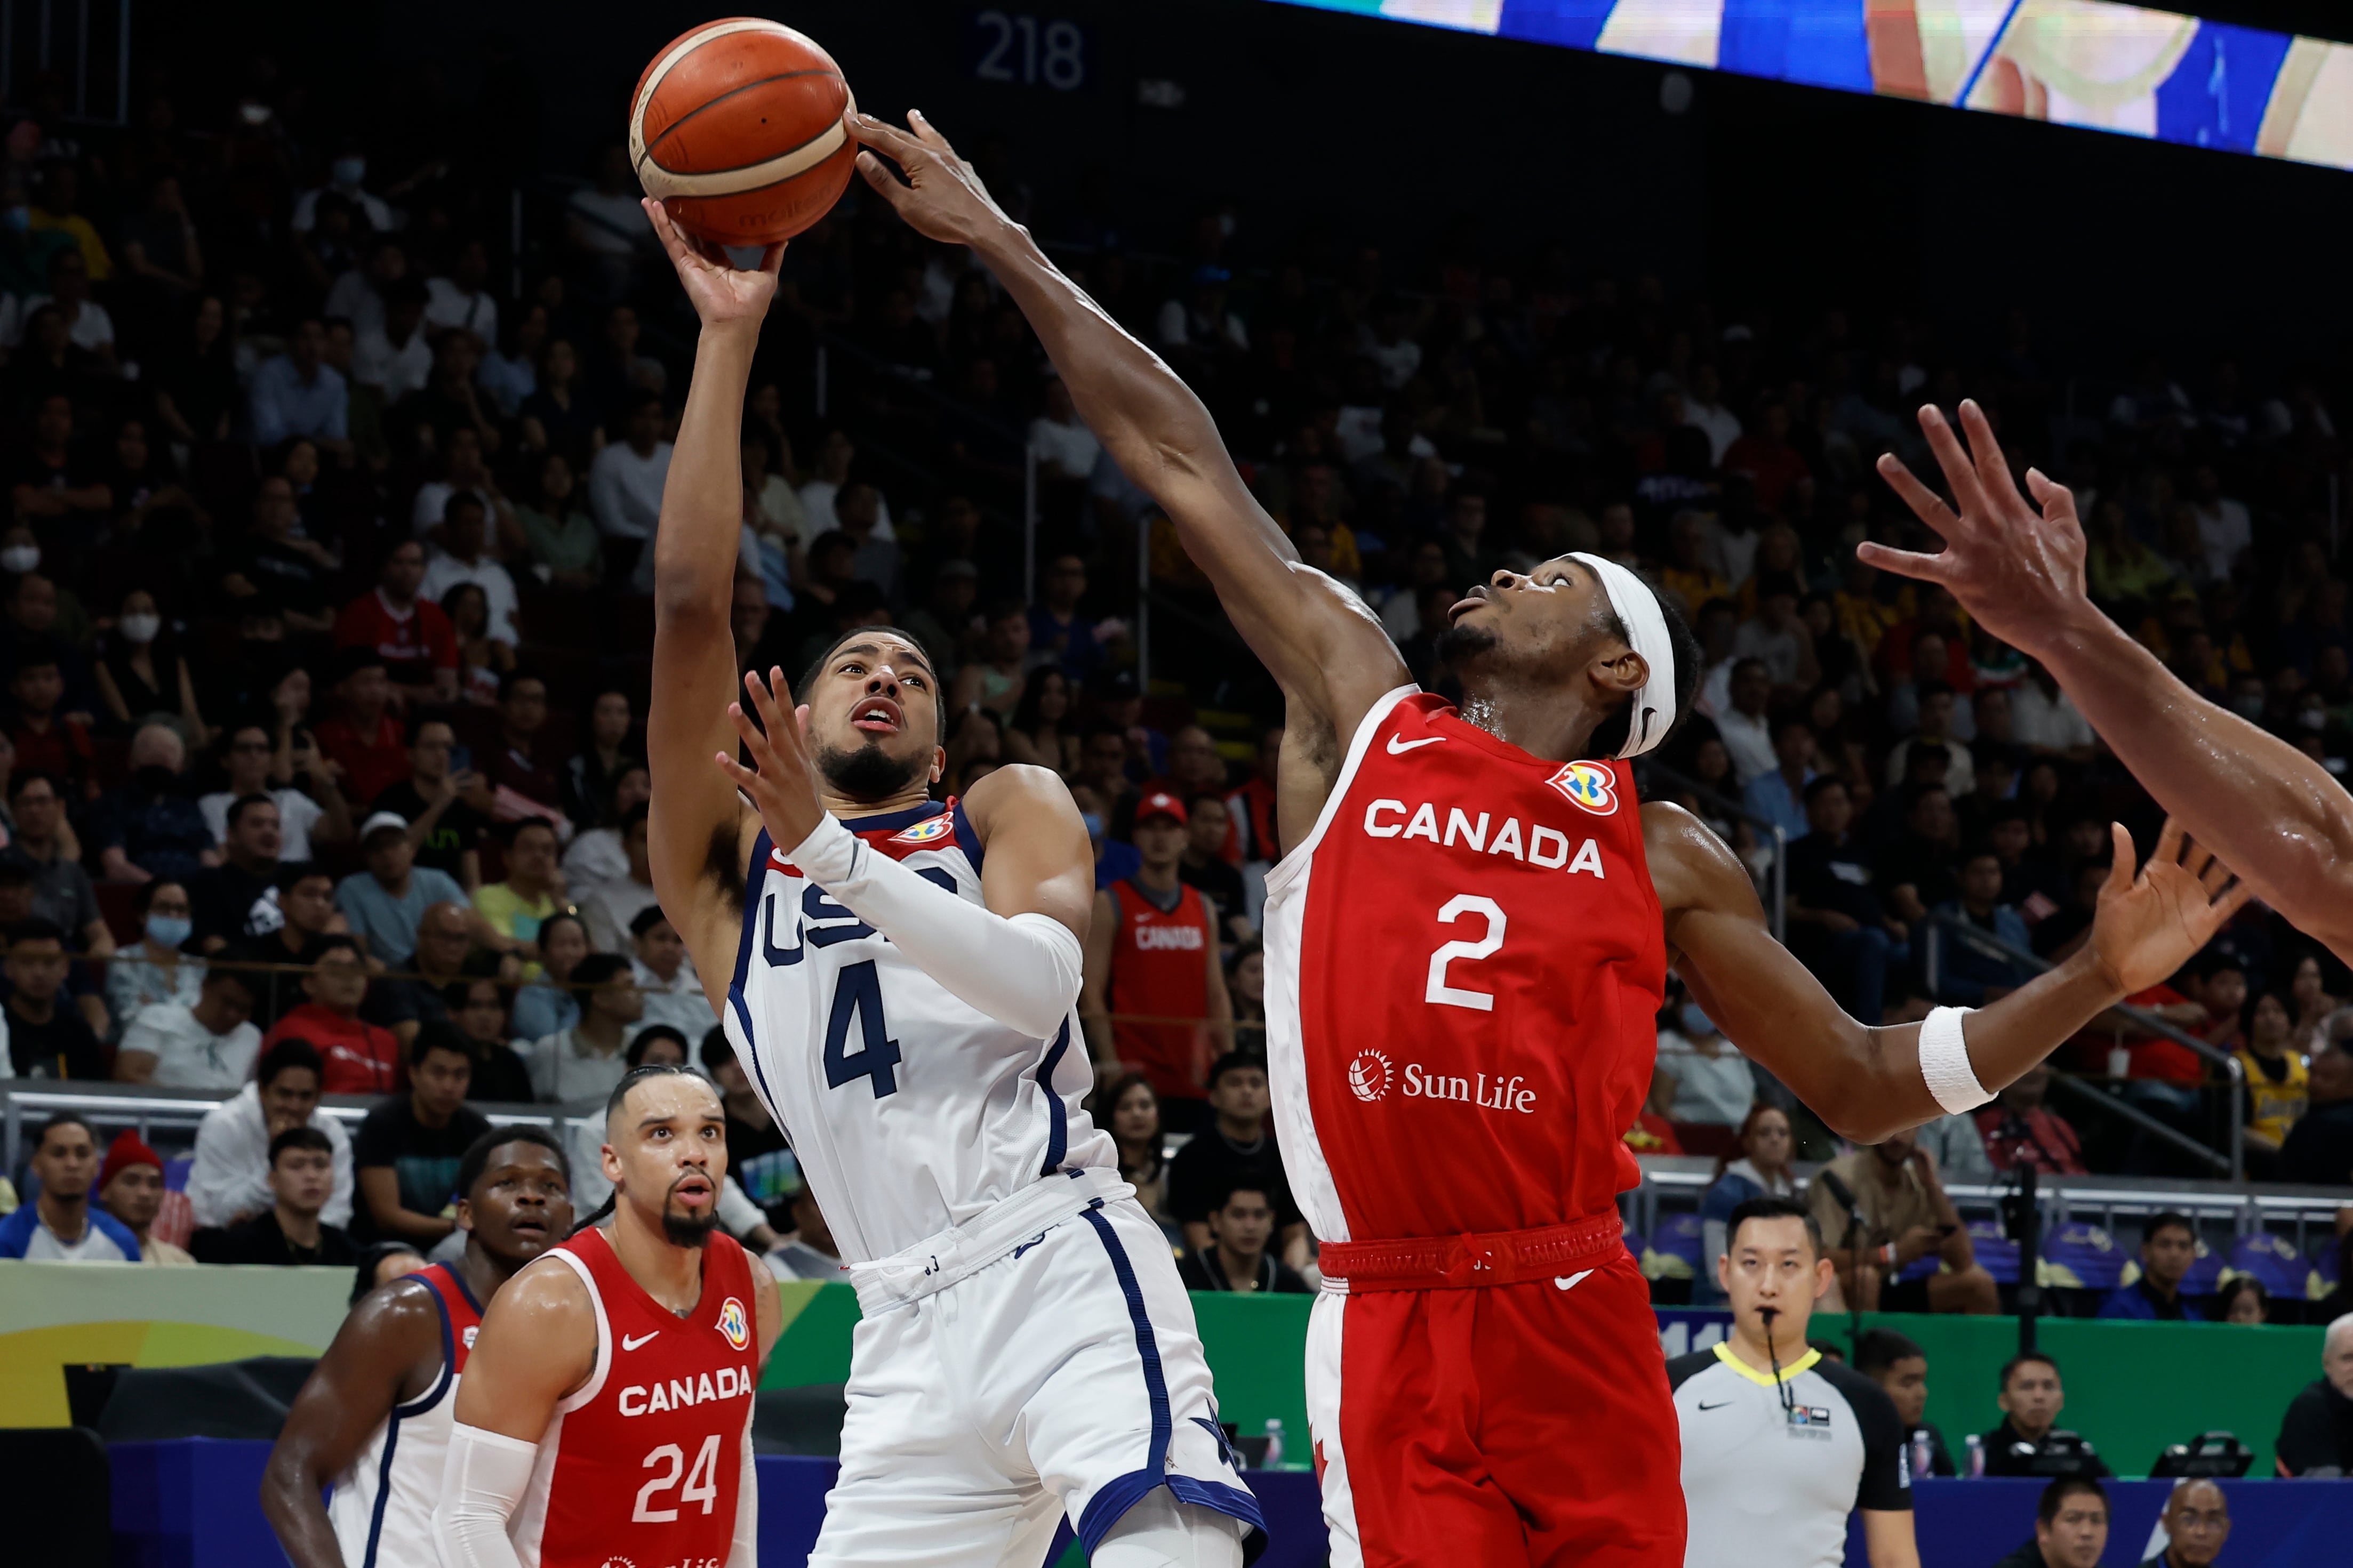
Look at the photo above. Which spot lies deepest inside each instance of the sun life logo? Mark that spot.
(937, 827)
(734, 1324)
(1369, 1076)
(1587, 786)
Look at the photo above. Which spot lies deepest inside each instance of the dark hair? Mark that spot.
(304, 1137)
(1772, 1207)
(598, 969)
(439, 1036)
(146, 894)
(515, 830)
(244, 803)
(335, 942)
(215, 975)
(1740, 1146)
(19, 782)
(364, 1280)
(291, 1052)
(2234, 1289)
(18, 874)
(62, 1119)
(717, 1050)
(646, 918)
(2021, 1358)
(1880, 1349)
(33, 928)
(1609, 737)
(1821, 784)
(2169, 1220)
(1928, 688)
(636, 1053)
(293, 874)
(1224, 1191)
(1033, 696)
(2055, 1496)
(476, 1158)
(1788, 721)
(1233, 1061)
(459, 993)
(613, 1102)
(459, 502)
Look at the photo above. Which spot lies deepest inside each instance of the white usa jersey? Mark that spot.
(909, 1110)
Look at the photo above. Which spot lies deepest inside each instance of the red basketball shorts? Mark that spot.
(1496, 1424)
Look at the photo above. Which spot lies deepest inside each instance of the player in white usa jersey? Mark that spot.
(898, 976)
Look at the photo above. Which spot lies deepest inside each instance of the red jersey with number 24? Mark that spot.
(1465, 960)
(642, 1465)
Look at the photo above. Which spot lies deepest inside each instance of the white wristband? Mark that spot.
(1945, 1063)
(828, 855)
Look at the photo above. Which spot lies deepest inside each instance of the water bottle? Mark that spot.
(1274, 1461)
(1924, 1457)
(1977, 1455)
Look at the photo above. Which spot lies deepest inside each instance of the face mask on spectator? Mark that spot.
(20, 558)
(168, 931)
(141, 629)
(350, 171)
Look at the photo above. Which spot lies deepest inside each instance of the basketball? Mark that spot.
(735, 127)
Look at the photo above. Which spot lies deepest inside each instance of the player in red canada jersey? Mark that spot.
(1465, 947)
(606, 1414)
(1152, 963)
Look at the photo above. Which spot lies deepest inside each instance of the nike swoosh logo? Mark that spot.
(629, 1345)
(1569, 1282)
(1399, 745)
(1717, 1405)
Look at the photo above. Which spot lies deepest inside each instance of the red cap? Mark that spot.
(1160, 803)
(126, 1150)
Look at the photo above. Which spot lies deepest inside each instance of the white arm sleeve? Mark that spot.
(745, 1551)
(483, 1483)
(1023, 971)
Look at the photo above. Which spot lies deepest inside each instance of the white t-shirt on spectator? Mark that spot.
(446, 305)
(398, 368)
(2039, 720)
(2226, 533)
(93, 329)
(1960, 767)
(1071, 447)
(1779, 649)
(353, 298)
(678, 1001)
(1397, 361)
(444, 571)
(1750, 741)
(187, 1055)
(625, 491)
(380, 214)
(1714, 1091)
(297, 813)
(609, 908)
(610, 225)
(595, 858)
(1722, 425)
(231, 1174)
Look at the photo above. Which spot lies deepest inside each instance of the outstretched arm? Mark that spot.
(2275, 814)
(1319, 641)
(1866, 1082)
(695, 831)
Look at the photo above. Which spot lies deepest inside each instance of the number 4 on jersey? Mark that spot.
(859, 995)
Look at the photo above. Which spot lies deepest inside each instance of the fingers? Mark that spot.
(1993, 469)
(1951, 457)
(666, 231)
(2169, 845)
(763, 694)
(2229, 904)
(772, 261)
(1906, 563)
(2120, 869)
(874, 132)
(1926, 503)
(886, 183)
(929, 134)
(753, 739)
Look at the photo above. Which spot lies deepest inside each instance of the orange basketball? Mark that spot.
(735, 127)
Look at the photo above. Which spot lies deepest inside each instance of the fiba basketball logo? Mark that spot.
(1369, 1076)
(1588, 786)
(733, 1323)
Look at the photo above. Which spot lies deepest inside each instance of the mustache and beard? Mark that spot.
(1460, 642)
(870, 772)
(688, 1227)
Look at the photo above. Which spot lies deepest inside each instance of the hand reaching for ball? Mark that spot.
(940, 197)
(723, 294)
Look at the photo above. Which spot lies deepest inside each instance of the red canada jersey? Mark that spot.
(642, 1465)
(1465, 960)
(1160, 969)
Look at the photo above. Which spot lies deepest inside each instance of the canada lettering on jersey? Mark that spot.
(1536, 846)
(1153, 937)
(679, 1393)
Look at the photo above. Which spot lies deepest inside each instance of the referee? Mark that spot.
(1779, 1445)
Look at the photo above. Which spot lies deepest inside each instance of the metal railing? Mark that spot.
(1684, 783)
(1939, 926)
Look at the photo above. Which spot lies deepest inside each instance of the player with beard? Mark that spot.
(607, 1410)
(899, 977)
(1466, 945)
(371, 1426)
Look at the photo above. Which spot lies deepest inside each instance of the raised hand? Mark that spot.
(782, 780)
(723, 294)
(940, 197)
(2148, 926)
(2017, 568)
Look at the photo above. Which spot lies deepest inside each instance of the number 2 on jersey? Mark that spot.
(859, 994)
(702, 1482)
(1439, 993)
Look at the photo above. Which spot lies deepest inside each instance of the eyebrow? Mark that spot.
(873, 650)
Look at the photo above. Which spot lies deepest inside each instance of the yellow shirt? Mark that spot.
(93, 250)
(2273, 1104)
(511, 916)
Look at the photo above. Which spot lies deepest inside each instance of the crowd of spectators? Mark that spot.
(323, 610)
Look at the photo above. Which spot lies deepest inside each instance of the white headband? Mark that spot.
(1654, 713)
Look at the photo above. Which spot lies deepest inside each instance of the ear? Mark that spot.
(1723, 1272)
(939, 764)
(465, 1214)
(1624, 671)
(611, 1165)
(1825, 1276)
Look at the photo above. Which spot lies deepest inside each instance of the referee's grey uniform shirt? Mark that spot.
(1769, 1484)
